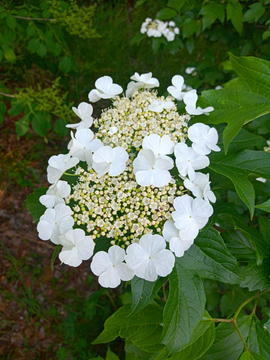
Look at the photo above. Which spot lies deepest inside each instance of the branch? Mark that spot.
(29, 18)
(8, 95)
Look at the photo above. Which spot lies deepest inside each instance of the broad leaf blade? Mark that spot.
(184, 308)
(35, 208)
(256, 277)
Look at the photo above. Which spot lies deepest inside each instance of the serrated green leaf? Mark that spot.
(143, 292)
(40, 123)
(65, 64)
(55, 253)
(166, 14)
(258, 340)
(255, 12)
(211, 13)
(264, 206)
(31, 30)
(209, 258)
(245, 100)
(201, 339)
(231, 300)
(228, 214)
(22, 125)
(16, 108)
(234, 13)
(228, 344)
(250, 356)
(143, 329)
(256, 277)
(34, 207)
(190, 27)
(41, 50)
(240, 246)
(184, 308)
(190, 44)
(11, 21)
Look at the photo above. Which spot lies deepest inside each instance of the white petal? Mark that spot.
(101, 262)
(169, 230)
(164, 262)
(70, 257)
(104, 83)
(117, 254)
(110, 278)
(94, 95)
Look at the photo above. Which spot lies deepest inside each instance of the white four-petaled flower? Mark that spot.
(145, 80)
(161, 146)
(55, 194)
(110, 160)
(176, 243)
(178, 86)
(76, 247)
(105, 89)
(83, 144)
(84, 112)
(55, 222)
(58, 164)
(190, 100)
(149, 258)
(187, 160)
(160, 105)
(110, 267)
(190, 215)
(200, 187)
(204, 139)
(150, 170)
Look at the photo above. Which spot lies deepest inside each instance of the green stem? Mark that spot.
(65, 173)
(59, 41)
(241, 337)
(247, 301)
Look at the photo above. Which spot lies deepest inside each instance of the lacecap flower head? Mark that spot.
(134, 189)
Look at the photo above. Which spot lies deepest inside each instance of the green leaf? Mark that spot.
(184, 308)
(1, 55)
(41, 50)
(231, 300)
(11, 21)
(266, 35)
(190, 27)
(31, 30)
(3, 110)
(264, 224)
(255, 12)
(65, 64)
(60, 127)
(33, 45)
(201, 339)
(228, 344)
(256, 277)
(111, 356)
(16, 108)
(55, 253)
(239, 246)
(190, 44)
(132, 352)
(250, 356)
(210, 13)
(40, 123)
(176, 4)
(143, 292)
(22, 125)
(209, 258)
(234, 13)
(246, 99)
(264, 206)
(228, 214)
(258, 340)
(166, 14)
(143, 329)
(34, 207)
(9, 54)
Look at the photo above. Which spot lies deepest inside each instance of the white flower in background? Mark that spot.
(190, 100)
(261, 179)
(55, 222)
(190, 216)
(149, 258)
(84, 112)
(178, 86)
(105, 89)
(156, 28)
(171, 23)
(187, 160)
(200, 187)
(161, 146)
(83, 144)
(218, 87)
(144, 25)
(190, 70)
(110, 268)
(55, 194)
(111, 160)
(145, 81)
(172, 235)
(150, 170)
(204, 139)
(169, 34)
(58, 164)
(76, 247)
(160, 105)
(176, 30)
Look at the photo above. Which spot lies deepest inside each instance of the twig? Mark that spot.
(8, 95)
(29, 18)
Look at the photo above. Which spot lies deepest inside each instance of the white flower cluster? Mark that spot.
(133, 178)
(157, 28)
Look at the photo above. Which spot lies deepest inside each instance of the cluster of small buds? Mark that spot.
(158, 28)
(133, 176)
